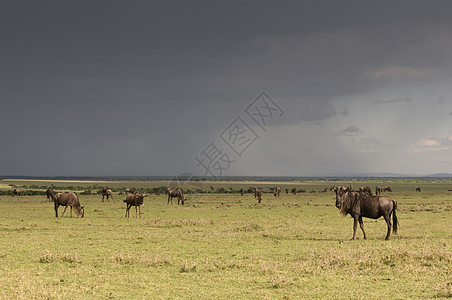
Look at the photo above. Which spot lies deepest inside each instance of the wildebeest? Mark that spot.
(171, 192)
(418, 189)
(107, 193)
(287, 191)
(256, 190)
(386, 189)
(241, 192)
(360, 205)
(68, 199)
(294, 191)
(365, 189)
(378, 190)
(130, 191)
(15, 192)
(277, 191)
(134, 200)
(49, 194)
(258, 195)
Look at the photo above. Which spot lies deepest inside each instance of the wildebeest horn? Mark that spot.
(350, 185)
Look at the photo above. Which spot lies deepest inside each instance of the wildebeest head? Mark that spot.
(340, 194)
(140, 197)
(81, 211)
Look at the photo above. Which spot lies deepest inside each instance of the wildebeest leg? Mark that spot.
(355, 225)
(56, 209)
(64, 211)
(127, 210)
(361, 224)
(139, 209)
(388, 221)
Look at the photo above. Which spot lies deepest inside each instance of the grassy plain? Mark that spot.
(225, 246)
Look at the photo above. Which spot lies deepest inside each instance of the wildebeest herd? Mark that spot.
(357, 204)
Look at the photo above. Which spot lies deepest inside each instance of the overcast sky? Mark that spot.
(164, 87)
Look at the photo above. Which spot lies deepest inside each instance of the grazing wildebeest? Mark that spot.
(386, 189)
(16, 192)
(130, 191)
(294, 191)
(68, 199)
(241, 192)
(418, 189)
(134, 200)
(365, 189)
(107, 193)
(277, 191)
(378, 190)
(49, 194)
(175, 193)
(258, 195)
(360, 205)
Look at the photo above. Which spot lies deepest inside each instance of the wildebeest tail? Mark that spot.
(395, 222)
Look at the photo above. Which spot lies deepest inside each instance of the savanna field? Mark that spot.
(223, 245)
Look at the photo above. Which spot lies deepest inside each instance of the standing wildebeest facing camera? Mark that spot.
(49, 194)
(134, 200)
(360, 205)
(175, 193)
(378, 190)
(68, 199)
(277, 191)
(258, 195)
(15, 192)
(107, 193)
(418, 189)
(294, 191)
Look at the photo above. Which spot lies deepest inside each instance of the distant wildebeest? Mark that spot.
(256, 190)
(68, 199)
(251, 190)
(175, 193)
(360, 205)
(130, 191)
(241, 192)
(277, 191)
(378, 190)
(418, 189)
(134, 200)
(15, 192)
(49, 194)
(365, 189)
(294, 191)
(107, 193)
(258, 195)
(386, 189)
(287, 191)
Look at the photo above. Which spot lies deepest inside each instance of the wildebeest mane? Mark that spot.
(351, 204)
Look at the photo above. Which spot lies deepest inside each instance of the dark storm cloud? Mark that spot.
(138, 86)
